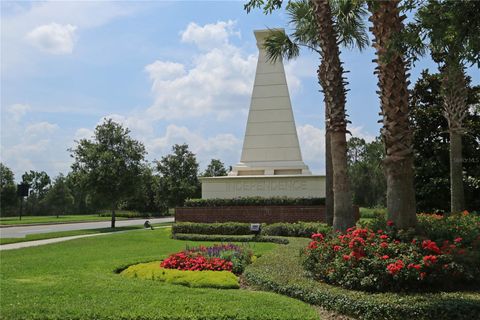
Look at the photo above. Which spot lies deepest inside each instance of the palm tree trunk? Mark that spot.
(456, 173)
(328, 176)
(331, 79)
(396, 131)
(454, 93)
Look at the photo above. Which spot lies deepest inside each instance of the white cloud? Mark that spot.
(359, 132)
(53, 38)
(40, 128)
(223, 146)
(83, 133)
(210, 35)
(219, 80)
(17, 111)
(312, 144)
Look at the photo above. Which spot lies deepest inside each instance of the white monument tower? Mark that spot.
(271, 143)
(271, 163)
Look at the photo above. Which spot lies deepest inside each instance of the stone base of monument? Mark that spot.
(291, 186)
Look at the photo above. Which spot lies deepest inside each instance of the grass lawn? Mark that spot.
(60, 234)
(76, 280)
(53, 219)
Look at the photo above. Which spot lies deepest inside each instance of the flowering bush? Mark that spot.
(223, 257)
(384, 260)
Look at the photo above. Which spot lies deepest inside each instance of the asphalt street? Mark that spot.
(20, 232)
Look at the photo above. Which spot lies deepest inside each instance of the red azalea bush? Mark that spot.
(388, 260)
(223, 257)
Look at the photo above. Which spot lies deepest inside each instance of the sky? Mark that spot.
(172, 72)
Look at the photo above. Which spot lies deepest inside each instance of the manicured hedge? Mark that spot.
(280, 271)
(223, 238)
(227, 228)
(255, 201)
(299, 229)
(194, 279)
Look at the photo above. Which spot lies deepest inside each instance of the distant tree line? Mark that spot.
(431, 143)
(109, 173)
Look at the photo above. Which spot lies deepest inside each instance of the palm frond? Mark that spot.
(350, 18)
(278, 45)
(302, 20)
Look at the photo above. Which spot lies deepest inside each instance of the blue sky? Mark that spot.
(172, 72)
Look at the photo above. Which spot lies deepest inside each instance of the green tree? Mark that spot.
(431, 144)
(322, 25)
(366, 172)
(144, 198)
(111, 163)
(452, 29)
(396, 132)
(39, 183)
(59, 197)
(178, 176)
(8, 196)
(215, 168)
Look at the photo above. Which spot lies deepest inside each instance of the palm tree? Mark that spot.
(396, 132)
(453, 31)
(323, 35)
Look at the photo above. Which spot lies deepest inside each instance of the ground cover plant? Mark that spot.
(76, 280)
(194, 279)
(289, 278)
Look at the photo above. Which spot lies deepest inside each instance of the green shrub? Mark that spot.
(298, 229)
(379, 261)
(226, 238)
(126, 214)
(439, 227)
(255, 201)
(194, 279)
(227, 228)
(280, 271)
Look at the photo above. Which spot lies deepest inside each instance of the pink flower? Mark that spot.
(390, 223)
(385, 257)
(457, 240)
(346, 257)
(383, 236)
(318, 236)
(337, 248)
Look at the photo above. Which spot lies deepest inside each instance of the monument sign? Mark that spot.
(271, 164)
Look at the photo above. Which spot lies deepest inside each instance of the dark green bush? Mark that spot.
(223, 238)
(227, 228)
(255, 201)
(298, 229)
(280, 271)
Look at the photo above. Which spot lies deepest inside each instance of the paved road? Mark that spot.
(20, 232)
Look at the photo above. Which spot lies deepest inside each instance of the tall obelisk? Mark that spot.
(271, 143)
(271, 164)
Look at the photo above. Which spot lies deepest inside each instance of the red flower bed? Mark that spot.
(197, 262)
(386, 260)
(221, 257)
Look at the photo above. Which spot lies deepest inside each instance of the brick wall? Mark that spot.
(254, 214)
